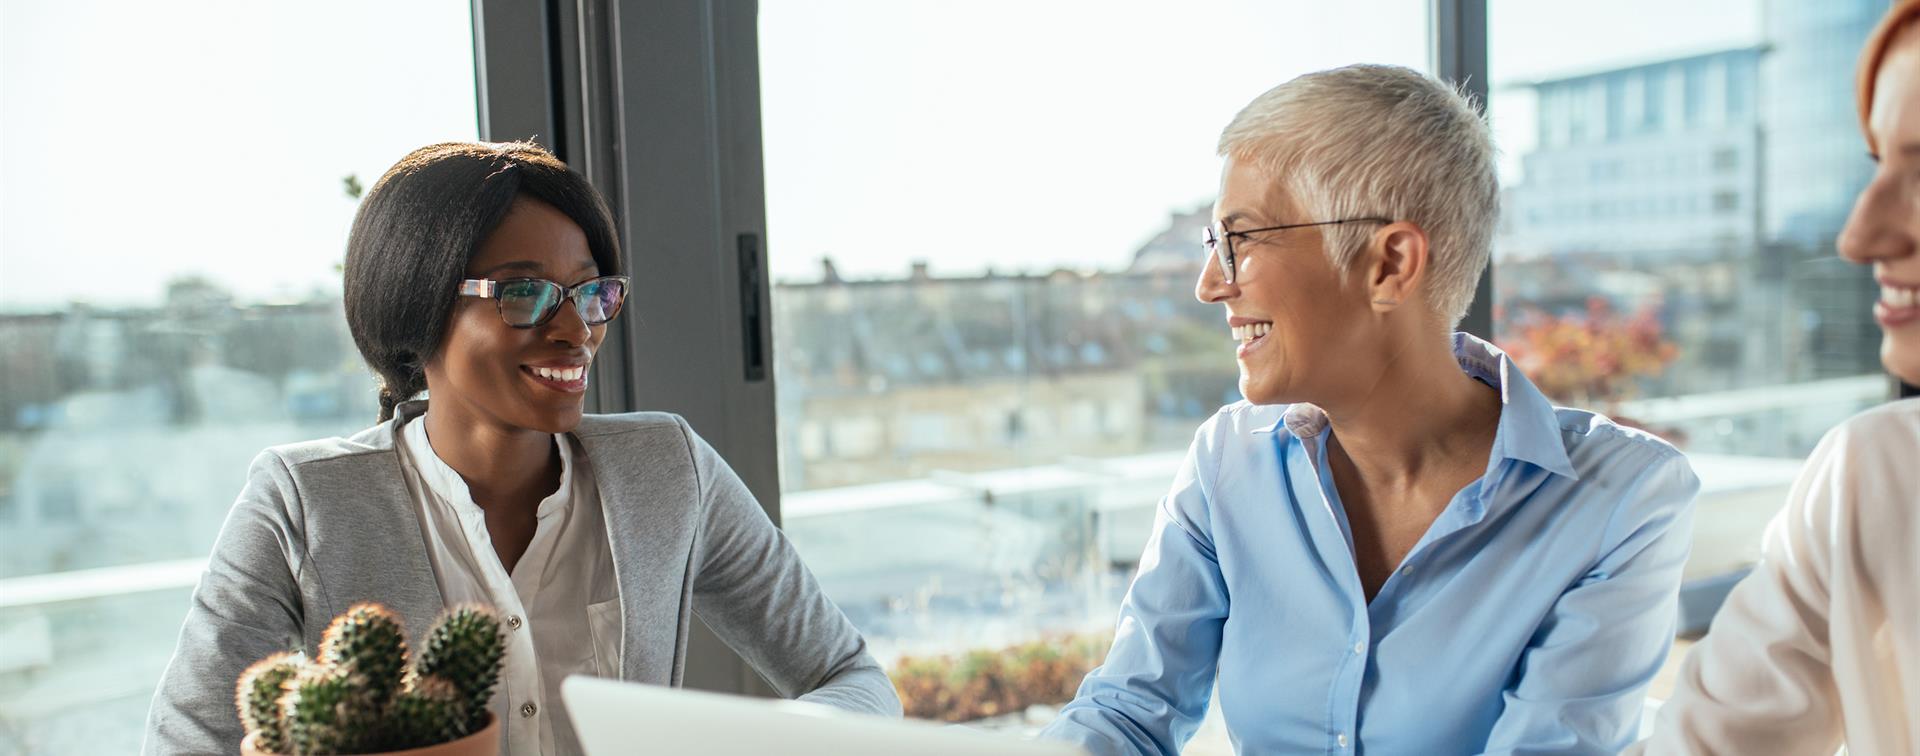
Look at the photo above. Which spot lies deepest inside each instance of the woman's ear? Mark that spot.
(1397, 261)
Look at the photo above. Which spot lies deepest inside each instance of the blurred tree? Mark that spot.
(1595, 357)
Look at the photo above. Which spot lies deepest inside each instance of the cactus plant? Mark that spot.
(259, 698)
(465, 648)
(429, 710)
(369, 639)
(327, 710)
(359, 694)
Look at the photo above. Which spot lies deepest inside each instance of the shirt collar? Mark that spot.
(1529, 429)
(446, 483)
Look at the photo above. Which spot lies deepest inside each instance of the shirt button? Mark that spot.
(514, 622)
(1342, 739)
(1360, 648)
(528, 709)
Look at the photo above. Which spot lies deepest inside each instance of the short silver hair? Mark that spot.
(1372, 140)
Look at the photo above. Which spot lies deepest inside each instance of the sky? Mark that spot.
(141, 141)
(1041, 134)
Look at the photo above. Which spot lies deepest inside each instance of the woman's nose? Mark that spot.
(1880, 227)
(1212, 287)
(567, 326)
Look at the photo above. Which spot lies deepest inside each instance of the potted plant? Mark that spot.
(361, 694)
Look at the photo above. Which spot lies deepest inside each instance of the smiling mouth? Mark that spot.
(1251, 332)
(570, 379)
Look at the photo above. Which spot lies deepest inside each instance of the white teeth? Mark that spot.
(1898, 297)
(567, 374)
(1250, 331)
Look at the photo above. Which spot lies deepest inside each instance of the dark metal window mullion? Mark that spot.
(1457, 43)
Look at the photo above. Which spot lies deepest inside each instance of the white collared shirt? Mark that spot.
(560, 605)
(1822, 642)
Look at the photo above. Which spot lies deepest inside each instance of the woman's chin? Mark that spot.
(1257, 391)
(1900, 354)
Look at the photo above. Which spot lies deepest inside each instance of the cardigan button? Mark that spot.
(514, 622)
(528, 709)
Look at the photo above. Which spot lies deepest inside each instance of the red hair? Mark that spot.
(1897, 19)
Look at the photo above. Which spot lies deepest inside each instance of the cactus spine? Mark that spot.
(465, 648)
(258, 697)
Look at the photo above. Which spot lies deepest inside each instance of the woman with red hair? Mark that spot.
(1821, 645)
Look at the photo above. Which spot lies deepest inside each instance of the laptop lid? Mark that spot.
(614, 718)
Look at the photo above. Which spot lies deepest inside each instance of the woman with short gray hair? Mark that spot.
(1395, 542)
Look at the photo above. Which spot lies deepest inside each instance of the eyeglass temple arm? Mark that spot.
(478, 287)
(1243, 234)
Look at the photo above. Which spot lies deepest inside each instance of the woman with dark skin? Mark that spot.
(485, 275)
(498, 418)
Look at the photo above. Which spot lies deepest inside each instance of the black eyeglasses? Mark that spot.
(1214, 235)
(531, 302)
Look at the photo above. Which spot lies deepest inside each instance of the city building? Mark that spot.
(1711, 187)
(1658, 161)
(1816, 164)
(1645, 187)
(901, 378)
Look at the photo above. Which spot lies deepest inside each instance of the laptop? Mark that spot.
(613, 718)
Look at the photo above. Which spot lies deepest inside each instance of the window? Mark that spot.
(1654, 111)
(1726, 160)
(179, 183)
(1726, 201)
(1739, 91)
(1694, 88)
(1053, 180)
(1617, 101)
(1701, 334)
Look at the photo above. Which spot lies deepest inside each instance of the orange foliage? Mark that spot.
(990, 682)
(1592, 357)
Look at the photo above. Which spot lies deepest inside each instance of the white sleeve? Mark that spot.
(1761, 681)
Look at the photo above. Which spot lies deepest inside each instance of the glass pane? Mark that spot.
(985, 224)
(179, 183)
(1675, 176)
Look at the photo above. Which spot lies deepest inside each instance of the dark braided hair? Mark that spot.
(420, 225)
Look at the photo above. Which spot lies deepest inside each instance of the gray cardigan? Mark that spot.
(322, 525)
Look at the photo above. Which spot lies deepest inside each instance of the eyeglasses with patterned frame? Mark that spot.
(531, 302)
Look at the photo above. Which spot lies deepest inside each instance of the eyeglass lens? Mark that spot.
(1221, 247)
(526, 303)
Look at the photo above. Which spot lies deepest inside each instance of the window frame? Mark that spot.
(658, 103)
